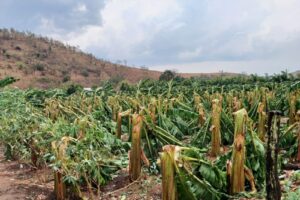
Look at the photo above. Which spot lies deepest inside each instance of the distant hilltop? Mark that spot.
(44, 63)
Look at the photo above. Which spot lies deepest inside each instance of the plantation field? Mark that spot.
(177, 139)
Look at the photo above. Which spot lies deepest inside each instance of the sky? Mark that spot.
(249, 36)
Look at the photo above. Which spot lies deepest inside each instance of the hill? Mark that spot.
(210, 75)
(296, 73)
(43, 62)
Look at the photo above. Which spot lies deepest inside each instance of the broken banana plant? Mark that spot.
(136, 151)
(216, 127)
(272, 181)
(239, 172)
(185, 175)
(261, 129)
(292, 108)
(167, 160)
(201, 113)
(59, 148)
(119, 122)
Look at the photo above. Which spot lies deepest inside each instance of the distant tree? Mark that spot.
(178, 79)
(116, 79)
(84, 73)
(66, 78)
(73, 88)
(39, 67)
(7, 81)
(167, 75)
(253, 77)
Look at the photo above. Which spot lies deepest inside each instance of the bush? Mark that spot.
(73, 88)
(66, 78)
(116, 79)
(20, 65)
(84, 73)
(167, 75)
(39, 67)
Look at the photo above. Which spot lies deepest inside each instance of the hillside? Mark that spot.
(42, 62)
(209, 75)
(296, 73)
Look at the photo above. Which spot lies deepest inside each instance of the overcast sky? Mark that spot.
(253, 36)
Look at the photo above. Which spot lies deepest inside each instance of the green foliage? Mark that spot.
(79, 124)
(38, 67)
(7, 81)
(84, 72)
(167, 75)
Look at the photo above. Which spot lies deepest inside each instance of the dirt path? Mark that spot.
(18, 181)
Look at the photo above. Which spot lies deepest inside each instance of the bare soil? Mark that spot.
(120, 188)
(20, 181)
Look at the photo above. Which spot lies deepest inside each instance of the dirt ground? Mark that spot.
(19, 181)
(120, 188)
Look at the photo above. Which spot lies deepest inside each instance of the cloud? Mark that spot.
(186, 55)
(81, 7)
(127, 27)
(204, 34)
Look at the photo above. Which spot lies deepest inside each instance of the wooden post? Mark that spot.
(59, 186)
(272, 180)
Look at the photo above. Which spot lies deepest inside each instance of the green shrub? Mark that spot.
(167, 75)
(84, 73)
(39, 67)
